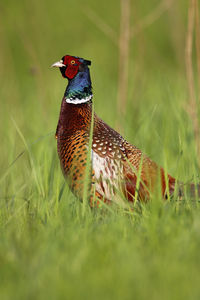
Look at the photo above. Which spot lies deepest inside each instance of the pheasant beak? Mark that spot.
(58, 64)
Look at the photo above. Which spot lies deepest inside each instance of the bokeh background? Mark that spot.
(144, 72)
(34, 35)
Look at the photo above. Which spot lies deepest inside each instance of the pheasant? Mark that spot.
(117, 168)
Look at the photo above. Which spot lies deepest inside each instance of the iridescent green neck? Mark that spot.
(79, 89)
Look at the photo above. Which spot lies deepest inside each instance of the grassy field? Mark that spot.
(48, 248)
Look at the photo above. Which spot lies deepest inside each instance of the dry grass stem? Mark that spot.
(101, 24)
(124, 44)
(192, 105)
(197, 40)
(152, 17)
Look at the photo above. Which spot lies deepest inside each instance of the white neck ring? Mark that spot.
(78, 101)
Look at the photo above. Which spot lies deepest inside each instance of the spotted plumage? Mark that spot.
(117, 168)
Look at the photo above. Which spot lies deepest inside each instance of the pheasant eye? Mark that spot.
(72, 62)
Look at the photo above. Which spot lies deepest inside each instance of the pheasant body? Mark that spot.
(117, 167)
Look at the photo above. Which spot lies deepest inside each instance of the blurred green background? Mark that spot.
(35, 34)
(48, 250)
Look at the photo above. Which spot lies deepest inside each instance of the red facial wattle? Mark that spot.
(72, 66)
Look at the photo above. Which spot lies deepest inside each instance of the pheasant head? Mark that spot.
(75, 69)
(71, 65)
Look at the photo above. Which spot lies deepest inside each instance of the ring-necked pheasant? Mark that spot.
(116, 165)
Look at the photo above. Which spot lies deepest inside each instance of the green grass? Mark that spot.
(49, 249)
